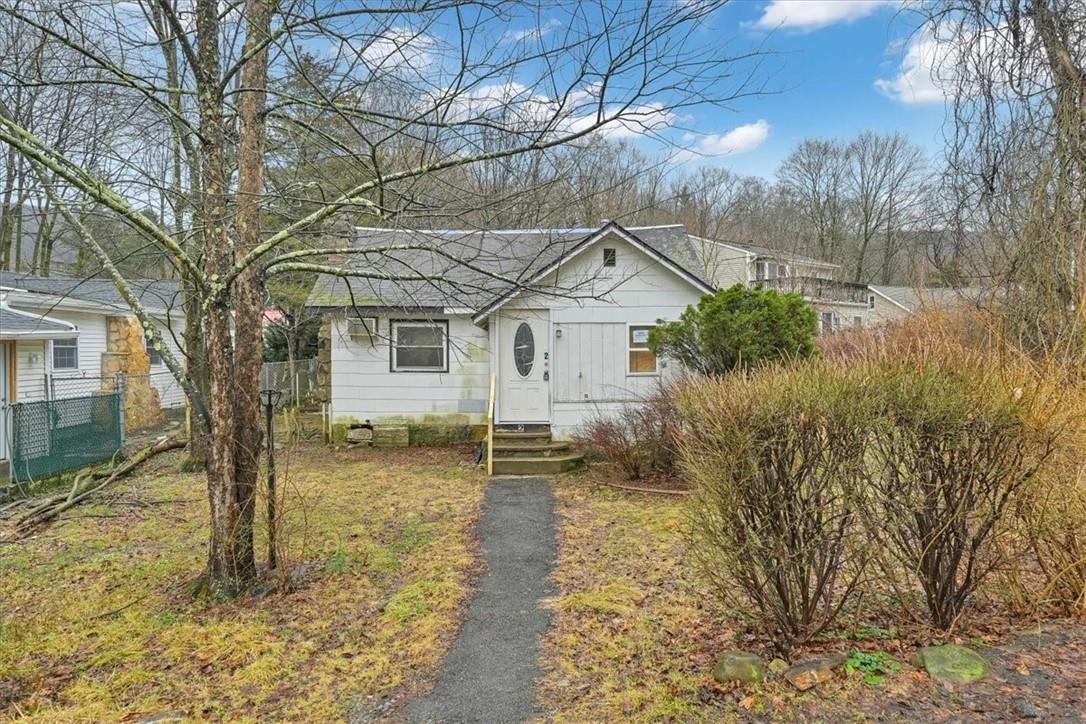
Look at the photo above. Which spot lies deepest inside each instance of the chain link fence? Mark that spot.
(51, 436)
(170, 393)
(298, 388)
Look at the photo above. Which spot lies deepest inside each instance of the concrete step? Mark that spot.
(504, 449)
(536, 427)
(503, 437)
(537, 465)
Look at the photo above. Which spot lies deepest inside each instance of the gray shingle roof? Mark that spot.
(913, 299)
(765, 251)
(156, 295)
(14, 324)
(468, 262)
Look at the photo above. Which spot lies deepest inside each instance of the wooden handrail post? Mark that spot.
(490, 428)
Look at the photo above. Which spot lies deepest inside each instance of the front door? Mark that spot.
(524, 366)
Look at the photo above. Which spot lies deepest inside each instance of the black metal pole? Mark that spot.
(268, 417)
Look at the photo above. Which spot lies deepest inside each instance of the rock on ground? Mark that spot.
(739, 666)
(952, 664)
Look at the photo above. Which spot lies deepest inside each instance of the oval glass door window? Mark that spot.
(524, 349)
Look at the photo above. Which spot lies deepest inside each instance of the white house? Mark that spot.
(57, 333)
(58, 368)
(560, 318)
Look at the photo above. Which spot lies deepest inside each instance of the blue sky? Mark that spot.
(835, 68)
(840, 66)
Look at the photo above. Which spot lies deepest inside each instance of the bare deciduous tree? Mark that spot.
(405, 98)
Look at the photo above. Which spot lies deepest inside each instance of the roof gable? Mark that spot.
(608, 230)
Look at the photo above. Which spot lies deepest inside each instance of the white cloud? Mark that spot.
(534, 33)
(740, 139)
(919, 78)
(518, 106)
(931, 67)
(629, 122)
(805, 15)
(398, 48)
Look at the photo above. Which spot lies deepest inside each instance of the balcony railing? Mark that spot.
(816, 289)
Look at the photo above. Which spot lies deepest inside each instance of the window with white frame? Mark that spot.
(761, 270)
(66, 354)
(610, 257)
(419, 346)
(870, 301)
(641, 360)
(857, 321)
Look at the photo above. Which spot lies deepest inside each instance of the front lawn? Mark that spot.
(97, 622)
(635, 635)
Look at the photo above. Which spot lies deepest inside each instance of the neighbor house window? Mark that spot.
(857, 321)
(152, 354)
(828, 322)
(66, 354)
(419, 346)
(761, 270)
(610, 257)
(870, 301)
(642, 361)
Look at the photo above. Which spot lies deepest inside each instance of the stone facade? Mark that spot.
(125, 353)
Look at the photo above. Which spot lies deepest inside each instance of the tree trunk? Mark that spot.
(230, 566)
(249, 287)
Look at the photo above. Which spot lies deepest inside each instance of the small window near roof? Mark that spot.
(870, 301)
(641, 359)
(66, 354)
(610, 257)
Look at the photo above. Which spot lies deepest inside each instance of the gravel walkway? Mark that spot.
(489, 674)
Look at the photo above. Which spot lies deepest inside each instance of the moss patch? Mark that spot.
(96, 624)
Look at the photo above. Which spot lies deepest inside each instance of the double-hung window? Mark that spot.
(66, 354)
(153, 355)
(641, 360)
(420, 346)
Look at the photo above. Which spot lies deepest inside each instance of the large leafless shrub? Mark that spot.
(952, 455)
(641, 437)
(776, 459)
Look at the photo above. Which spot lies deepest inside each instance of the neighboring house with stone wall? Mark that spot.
(559, 317)
(107, 340)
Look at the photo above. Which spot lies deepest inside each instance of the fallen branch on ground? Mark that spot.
(635, 489)
(88, 483)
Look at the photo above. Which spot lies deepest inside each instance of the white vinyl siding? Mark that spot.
(170, 394)
(33, 378)
(365, 388)
(589, 357)
(30, 379)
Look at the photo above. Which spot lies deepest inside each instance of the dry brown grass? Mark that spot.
(97, 623)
